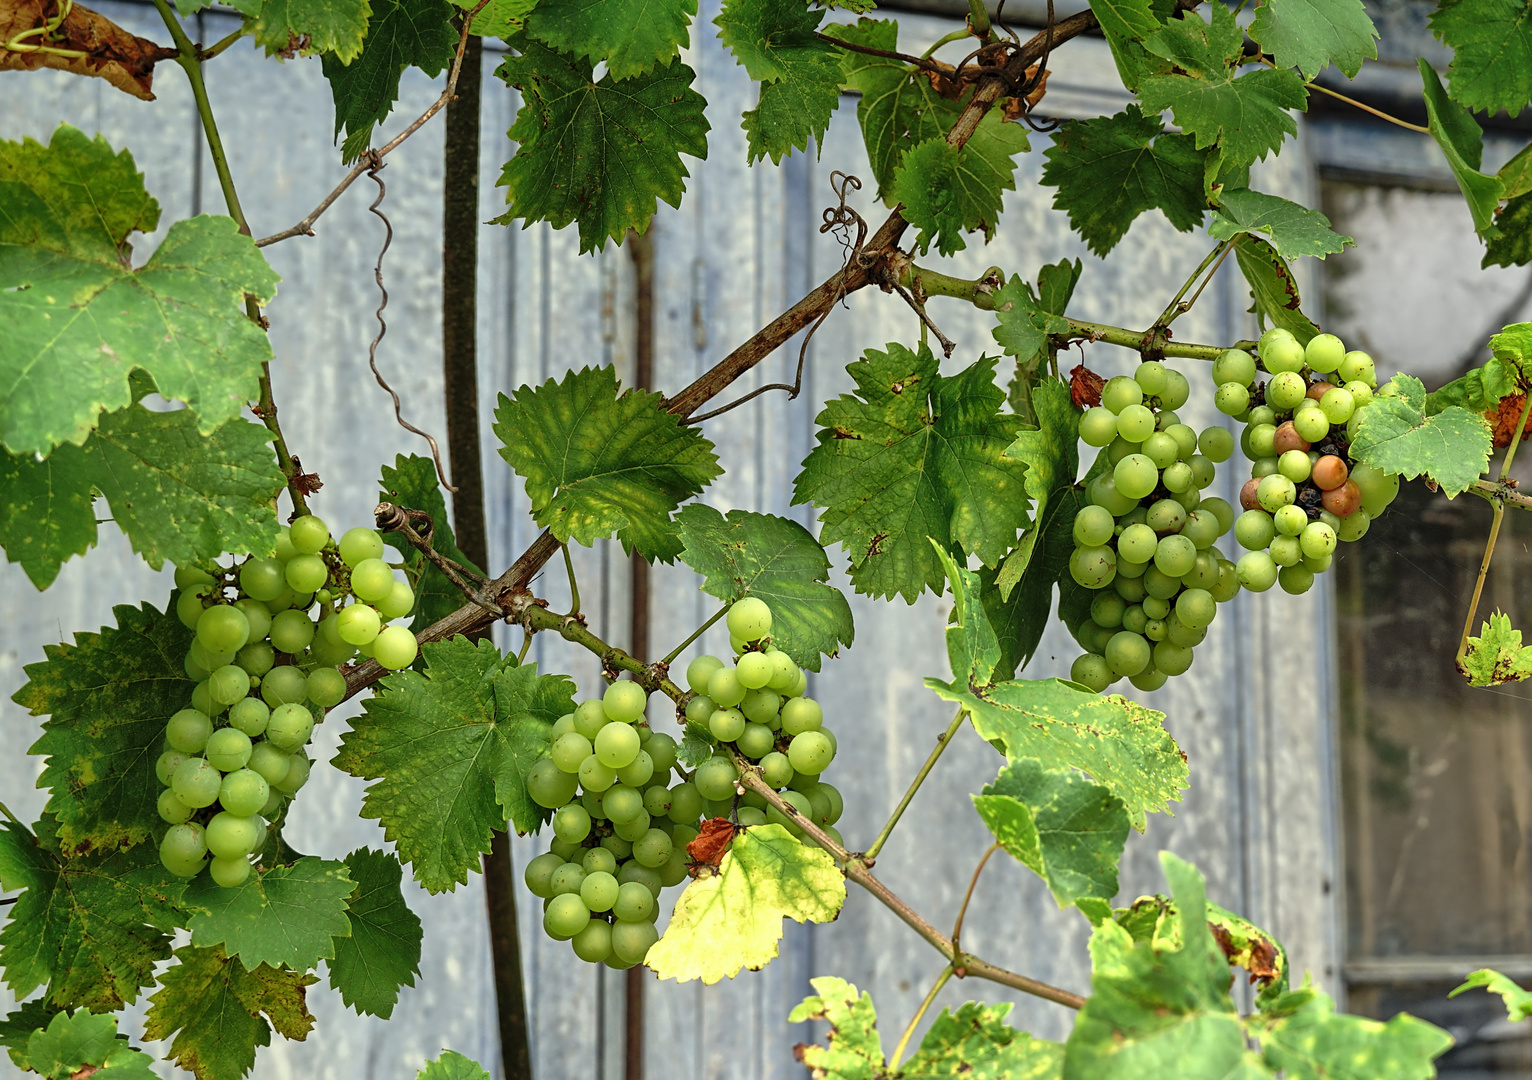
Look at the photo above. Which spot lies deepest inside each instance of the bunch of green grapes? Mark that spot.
(1305, 495)
(1144, 543)
(271, 635)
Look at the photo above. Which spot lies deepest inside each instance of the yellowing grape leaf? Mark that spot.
(1394, 434)
(1497, 654)
(1302, 1035)
(337, 27)
(1518, 1002)
(733, 919)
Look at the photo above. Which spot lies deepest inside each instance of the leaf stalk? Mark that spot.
(909, 1029)
(942, 742)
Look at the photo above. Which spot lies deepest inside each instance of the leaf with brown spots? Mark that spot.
(1085, 387)
(708, 848)
(111, 53)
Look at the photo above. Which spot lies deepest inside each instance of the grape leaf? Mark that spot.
(450, 749)
(1511, 244)
(1116, 742)
(1462, 143)
(1516, 174)
(46, 510)
(1491, 43)
(109, 695)
(16, 1028)
(1067, 830)
(1244, 115)
(733, 919)
(1050, 451)
(598, 462)
(799, 72)
(500, 18)
(1518, 1002)
(631, 36)
(777, 560)
(1113, 168)
(600, 152)
(1133, 19)
(336, 27)
(1273, 290)
(219, 1012)
(1293, 230)
(287, 915)
(1395, 435)
(1019, 613)
(382, 951)
(400, 34)
(947, 191)
(855, 1052)
(85, 1044)
(1497, 654)
(1159, 1011)
(411, 482)
(90, 928)
(80, 319)
(972, 649)
(1302, 1036)
(1310, 35)
(696, 747)
(452, 1066)
(1022, 323)
(914, 454)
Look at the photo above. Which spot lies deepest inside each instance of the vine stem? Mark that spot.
(957, 926)
(574, 586)
(1175, 307)
(695, 634)
(1494, 530)
(909, 1029)
(942, 742)
(978, 21)
(6, 810)
(1379, 113)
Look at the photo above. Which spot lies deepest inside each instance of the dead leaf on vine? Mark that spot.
(1085, 387)
(1013, 106)
(113, 54)
(1257, 955)
(711, 843)
(1503, 419)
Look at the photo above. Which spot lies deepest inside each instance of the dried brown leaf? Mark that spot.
(113, 54)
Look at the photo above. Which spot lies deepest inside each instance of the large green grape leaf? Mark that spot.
(914, 454)
(598, 462)
(947, 191)
(1118, 743)
(411, 482)
(500, 18)
(85, 1044)
(1160, 1010)
(90, 928)
(47, 513)
(1067, 830)
(219, 1012)
(1246, 116)
(382, 952)
(80, 318)
(631, 36)
(733, 919)
(1462, 143)
(1491, 44)
(452, 1066)
(1518, 1002)
(1113, 168)
(1310, 35)
(450, 749)
(400, 34)
(1291, 229)
(777, 560)
(1273, 290)
(798, 71)
(1497, 654)
(599, 152)
(1023, 323)
(1302, 1036)
(972, 650)
(109, 695)
(336, 27)
(1395, 435)
(285, 916)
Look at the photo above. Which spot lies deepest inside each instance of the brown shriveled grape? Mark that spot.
(1330, 472)
(1289, 439)
(1247, 499)
(1317, 391)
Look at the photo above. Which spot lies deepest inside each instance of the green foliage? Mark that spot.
(1462, 142)
(1518, 1002)
(855, 1052)
(1507, 372)
(914, 454)
(947, 191)
(109, 695)
(733, 919)
(80, 319)
(1311, 35)
(89, 928)
(1023, 323)
(400, 34)
(1273, 290)
(1067, 830)
(1303, 1037)
(598, 152)
(1245, 116)
(1491, 52)
(632, 36)
(411, 482)
(335, 27)
(777, 560)
(382, 951)
(83, 1043)
(500, 18)
(450, 749)
(972, 648)
(1511, 244)
(452, 1066)
(599, 462)
(1497, 654)
(282, 916)
(1452, 447)
(799, 73)
(1292, 230)
(218, 1011)
(16, 1028)
(1113, 168)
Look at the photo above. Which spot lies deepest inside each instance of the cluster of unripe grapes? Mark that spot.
(621, 827)
(1305, 494)
(271, 634)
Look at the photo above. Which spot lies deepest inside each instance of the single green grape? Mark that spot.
(1234, 366)
(172, 809)
(802, 714)
(571, 823)
(360, 544)
(634, 903)
(395, 647)
(308, 535)
(1296, 579)
(725, 688)
(700, 670)
(228, 749)
(776, 769)
(223, 628)
(229, 873)
(616, 745)
(1098, 426)
(305, 573)
(183, 849)
(196, 782)
(715, 778)
(358, 624)
(565, 917)
(188, 731)
(1092, 672)
(289, 726)
(1324, 353)
(1286, 551)
(1286, 389)
(727, 724)
(749, 619)
(230, 836)
(754, 670)
(244, 792)
(284, 686)
(810, 752)
(538, 872)
(1120, 392)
